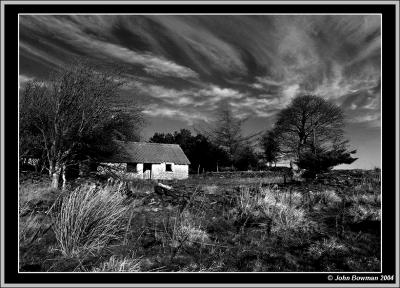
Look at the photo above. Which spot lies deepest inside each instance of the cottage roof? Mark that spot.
(142, 152)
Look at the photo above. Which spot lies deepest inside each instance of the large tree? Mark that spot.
(226, 133)
(70, 117)
(311, 125)
(270, 146)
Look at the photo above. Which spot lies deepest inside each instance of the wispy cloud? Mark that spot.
(190, 117)
(94, 44)
(372, 120)
(258, 107)
(157, 66)
(268, 81)
(169, 95)
(180, 68)
(192, 63)
(201, 43)
(216, 94)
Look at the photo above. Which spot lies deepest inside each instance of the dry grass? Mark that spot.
(118, 264)
(184, 229)
(29, 227)
(36, 190)
(314, 227)
(89, 219)
(359, 213)
(274, 205)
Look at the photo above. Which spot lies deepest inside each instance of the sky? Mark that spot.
(180, 68)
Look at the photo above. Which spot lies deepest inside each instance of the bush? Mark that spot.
(89, 219)
(322, 160)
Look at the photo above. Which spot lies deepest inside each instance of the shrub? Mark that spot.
(90, 218)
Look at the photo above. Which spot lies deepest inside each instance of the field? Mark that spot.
(218, 222)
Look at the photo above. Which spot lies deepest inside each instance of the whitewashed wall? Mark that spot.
(178, 171)
(158, 171)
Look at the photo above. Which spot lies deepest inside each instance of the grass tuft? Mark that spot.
(89, 219)
(117, 264)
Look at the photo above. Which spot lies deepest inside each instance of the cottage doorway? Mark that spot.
(147, 170)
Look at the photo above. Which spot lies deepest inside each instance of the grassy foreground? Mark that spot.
(211, 224)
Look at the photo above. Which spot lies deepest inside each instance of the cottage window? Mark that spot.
(131, 167)
(168, 167)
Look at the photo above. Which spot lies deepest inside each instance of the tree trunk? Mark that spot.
(64, 178)
(55, 179)
(55, 171)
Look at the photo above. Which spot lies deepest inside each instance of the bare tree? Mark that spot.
(312, 125)
(309, 121)
(69, 113)
(226, 132)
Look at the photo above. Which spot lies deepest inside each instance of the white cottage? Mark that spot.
(142, 160)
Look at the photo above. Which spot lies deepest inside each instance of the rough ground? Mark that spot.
(223, 224)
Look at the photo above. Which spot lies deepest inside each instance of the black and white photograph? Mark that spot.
(222, 143)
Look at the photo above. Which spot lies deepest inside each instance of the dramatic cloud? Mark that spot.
(182, 67)
(88, 42)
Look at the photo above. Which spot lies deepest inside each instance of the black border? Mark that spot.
(11, 12)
